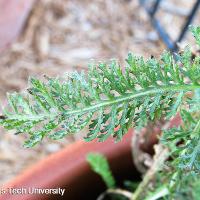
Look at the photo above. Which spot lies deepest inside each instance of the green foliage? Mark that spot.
(160, 192)
(184, 142)
(195, 188)
(196, 32)
(100, 165)
(180, 186)
(109, 99)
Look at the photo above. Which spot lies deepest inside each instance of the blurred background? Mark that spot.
(52, 37)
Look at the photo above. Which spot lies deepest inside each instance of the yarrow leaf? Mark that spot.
(108, 99)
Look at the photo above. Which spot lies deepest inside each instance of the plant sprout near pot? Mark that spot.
(111, 101)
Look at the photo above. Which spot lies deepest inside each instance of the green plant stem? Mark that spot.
(196, 129)
(105, 103)
(131, 96)
(159, 159)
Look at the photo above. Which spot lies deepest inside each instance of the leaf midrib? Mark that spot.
(106, 103)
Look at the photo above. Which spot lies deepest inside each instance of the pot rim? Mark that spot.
(50, 173)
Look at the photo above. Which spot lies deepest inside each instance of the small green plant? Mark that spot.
(100, 165)
(109, 101)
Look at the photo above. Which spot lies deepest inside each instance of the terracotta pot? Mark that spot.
(13, 14)
(68, 169)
